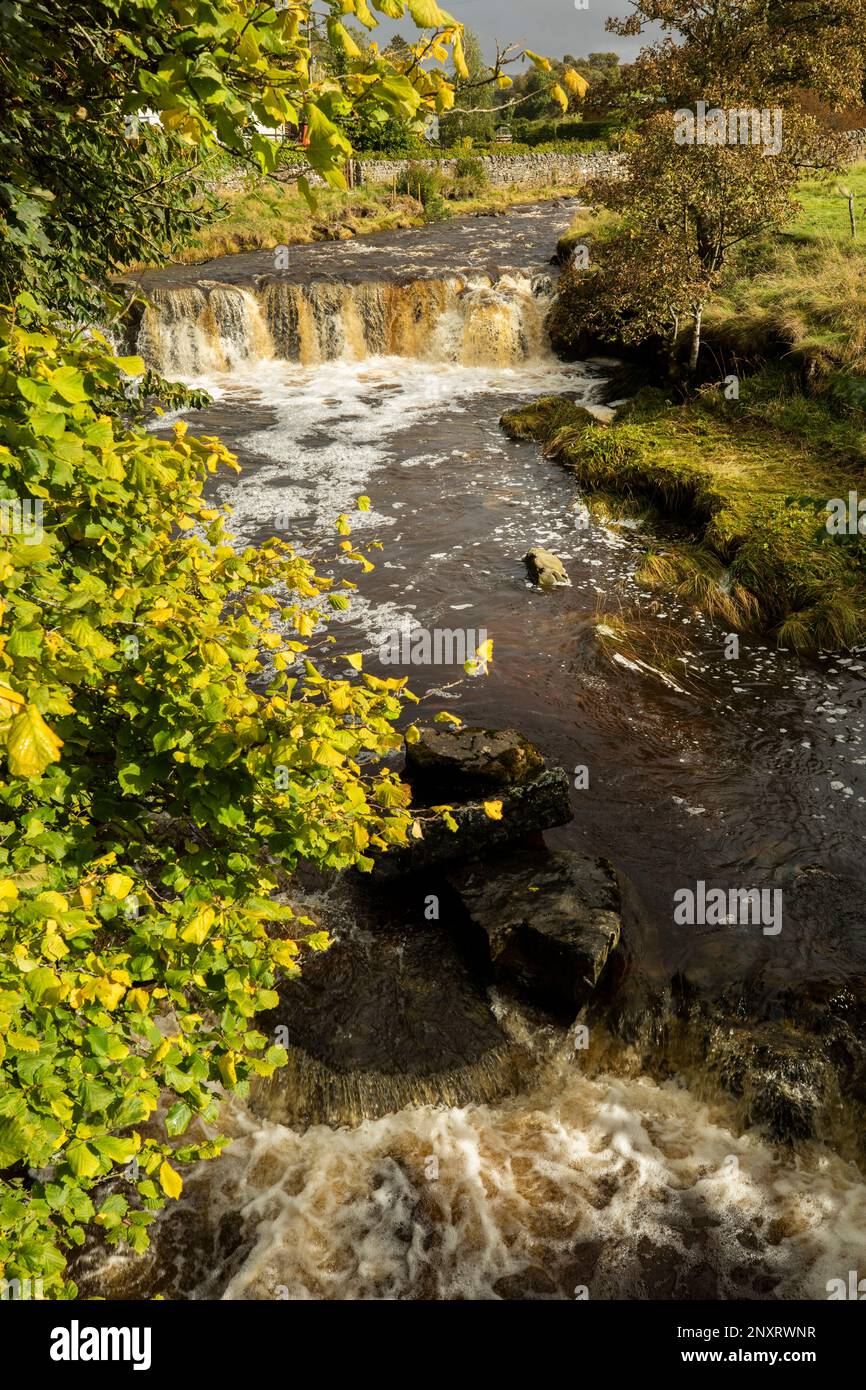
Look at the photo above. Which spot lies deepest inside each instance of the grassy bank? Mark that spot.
(751, 477)
(750, 480)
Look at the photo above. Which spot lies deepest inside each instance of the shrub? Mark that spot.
(470, 175)
(169, 749)
(426, 185)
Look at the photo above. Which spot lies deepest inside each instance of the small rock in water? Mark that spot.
(545, 568)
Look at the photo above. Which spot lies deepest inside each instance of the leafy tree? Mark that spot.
(170, 746)
(683, 208)
(684, 205)
(721, 50)
(174, 732)
(79, 201)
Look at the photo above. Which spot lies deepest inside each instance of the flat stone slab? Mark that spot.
(467, 763)
(551, 920)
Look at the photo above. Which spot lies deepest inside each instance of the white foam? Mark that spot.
(613, 1183)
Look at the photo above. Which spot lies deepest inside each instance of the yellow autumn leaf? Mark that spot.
(354, 660)
(227, 1070)
(493, 809)
(119, 885)
(577, 85)
(10, 701)
(170, 1180)
(284, 952)
(138, 999)
(459, 58)
(109, 993)
(8, 894)
(197, 929)
(31, 745)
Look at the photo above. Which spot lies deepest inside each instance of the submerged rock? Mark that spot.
(551, 921)
(783, 1079)
(469, 761)
(394, 1013)
(545, 568)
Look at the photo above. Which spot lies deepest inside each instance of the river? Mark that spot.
(636, 1168)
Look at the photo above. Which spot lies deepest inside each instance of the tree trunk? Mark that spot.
(696, 339)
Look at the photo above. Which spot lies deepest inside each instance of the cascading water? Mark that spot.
(540, 1171)
(214, 327)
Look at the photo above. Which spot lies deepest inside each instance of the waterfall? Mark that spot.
(207, 327)
(213, 327)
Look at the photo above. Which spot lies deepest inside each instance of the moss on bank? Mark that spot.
(751, 479)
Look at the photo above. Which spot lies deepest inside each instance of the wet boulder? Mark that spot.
(469, 762)
(551, 921)
(496, 786)
(545, 569)
(784, 1081)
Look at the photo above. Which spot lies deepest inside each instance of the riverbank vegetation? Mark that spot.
(730, 275)
(262, 214)
(748, 482)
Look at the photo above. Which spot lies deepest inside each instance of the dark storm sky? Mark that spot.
(553, 27)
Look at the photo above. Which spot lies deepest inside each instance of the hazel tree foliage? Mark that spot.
(171, 745)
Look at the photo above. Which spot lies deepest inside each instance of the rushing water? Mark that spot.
(383, 368)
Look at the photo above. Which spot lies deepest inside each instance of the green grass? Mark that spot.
(801, 295)
(751, 480)
(825, 209)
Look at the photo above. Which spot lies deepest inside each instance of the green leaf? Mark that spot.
(82, 1160)
(68, 383)
(427, 14)
(177, 1119)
